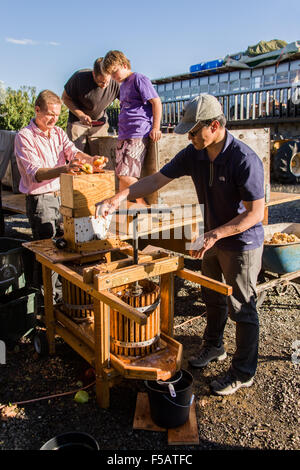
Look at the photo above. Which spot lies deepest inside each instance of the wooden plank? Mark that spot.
(79, 346)
(88, 273)
(138, 372)
(104, 296)
(178, 346)
(187, 434)
(69, 233)
(47, 249)
(159, 365)
(13, 202)
(74, 328)
(204, 281)
(104, 323)
(167, 303)
(101, 353)
(49, 308)
(142, 416)
(98, 245)
(77, 213)
(259, 141)
(281, 280)
(280, 198)
(138, 272)
(116, 303)
(83, 191)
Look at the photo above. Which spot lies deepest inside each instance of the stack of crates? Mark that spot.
(19, 301)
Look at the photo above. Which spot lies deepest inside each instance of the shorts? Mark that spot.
(85, 138)
(130, 156)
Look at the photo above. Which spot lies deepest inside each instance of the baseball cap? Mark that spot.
(201, 108)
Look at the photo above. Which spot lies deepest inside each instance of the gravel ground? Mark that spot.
(263, 417)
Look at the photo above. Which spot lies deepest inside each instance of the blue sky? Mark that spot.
(43, 43)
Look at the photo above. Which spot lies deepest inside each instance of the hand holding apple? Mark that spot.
(99, 163)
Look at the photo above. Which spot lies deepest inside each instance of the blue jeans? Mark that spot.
(240, 270)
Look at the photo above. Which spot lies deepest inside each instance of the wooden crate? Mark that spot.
(80, 192)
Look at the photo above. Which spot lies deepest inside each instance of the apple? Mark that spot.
(100, 162)
(87, 168)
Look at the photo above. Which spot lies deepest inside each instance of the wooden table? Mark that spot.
(278, 198)
(97, 281)
(16, 202)
(13, 202)
(281, 198)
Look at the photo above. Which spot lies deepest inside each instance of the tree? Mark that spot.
(63, 118)
(17, 108)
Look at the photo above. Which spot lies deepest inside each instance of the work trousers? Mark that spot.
(240, 270)
(46, 222)
(86, 138)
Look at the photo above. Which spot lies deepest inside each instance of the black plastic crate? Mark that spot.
(18, 311)
(16, 265)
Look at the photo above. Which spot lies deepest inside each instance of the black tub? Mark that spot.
(71, 441)
(170, 401)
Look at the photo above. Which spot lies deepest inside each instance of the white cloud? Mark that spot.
(30, 42)
(23, 42)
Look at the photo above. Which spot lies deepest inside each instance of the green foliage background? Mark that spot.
(17, 109)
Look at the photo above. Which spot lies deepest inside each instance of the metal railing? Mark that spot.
(265, 104)
(269, 104)
(112, 114)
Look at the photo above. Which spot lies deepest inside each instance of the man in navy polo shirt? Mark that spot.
(229, 180)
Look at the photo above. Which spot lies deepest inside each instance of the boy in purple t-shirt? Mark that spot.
(139, 118)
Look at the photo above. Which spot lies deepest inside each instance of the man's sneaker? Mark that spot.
(229, 384)
(207, 354)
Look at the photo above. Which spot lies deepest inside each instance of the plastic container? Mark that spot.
(72, 441)
(212, 64)
(18, 311)
(16, 265)
(281, 259)
(170, 401)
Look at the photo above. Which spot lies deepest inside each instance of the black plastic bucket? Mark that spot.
(170, 401)
(71, 441)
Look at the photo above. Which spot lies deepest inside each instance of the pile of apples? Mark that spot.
(97, 166)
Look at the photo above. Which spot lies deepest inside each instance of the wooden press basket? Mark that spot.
(128, 338)
(76, 303)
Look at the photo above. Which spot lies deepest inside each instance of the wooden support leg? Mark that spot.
(101, 326)
(167, 303)
(266, 216)
(49, 310)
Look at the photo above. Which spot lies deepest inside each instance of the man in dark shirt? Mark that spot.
(87, 94)
(229, 180)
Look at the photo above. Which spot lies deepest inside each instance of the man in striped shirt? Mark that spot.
(43, 152)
